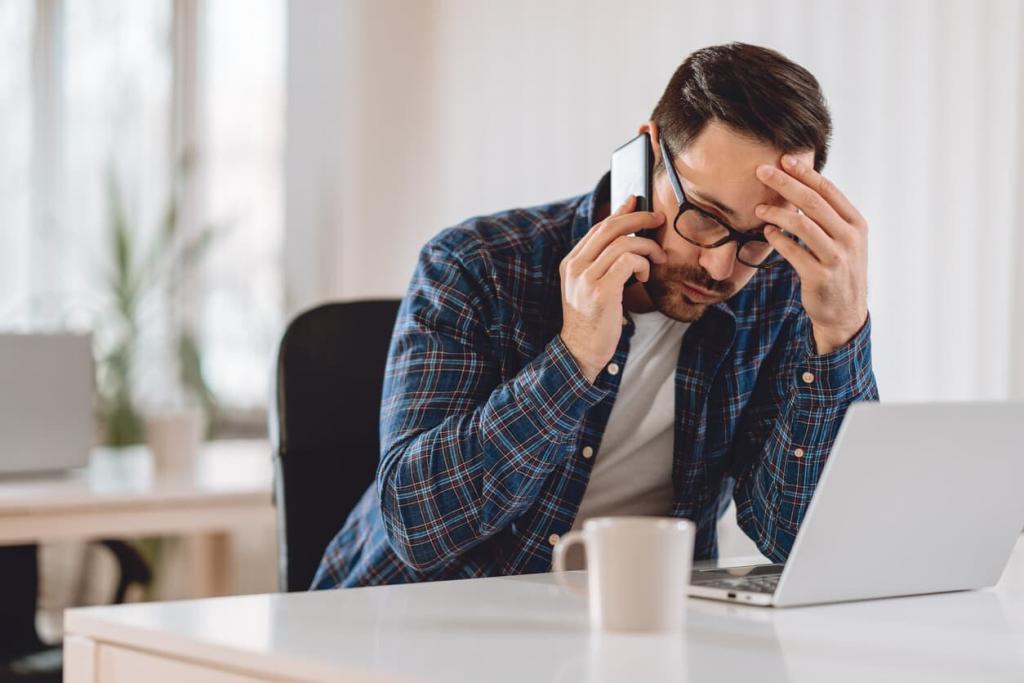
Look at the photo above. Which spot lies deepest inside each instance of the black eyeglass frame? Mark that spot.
(738, 236)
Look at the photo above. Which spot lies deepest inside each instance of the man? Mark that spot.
(531, 386)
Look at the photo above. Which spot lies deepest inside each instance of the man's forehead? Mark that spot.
(720, 165)
(734, 189)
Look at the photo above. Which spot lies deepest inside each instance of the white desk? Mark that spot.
(119, 495)
(526, 629)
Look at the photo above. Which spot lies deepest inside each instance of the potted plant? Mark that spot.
(144, 316)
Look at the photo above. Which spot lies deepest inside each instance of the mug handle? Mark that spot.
(558, 561)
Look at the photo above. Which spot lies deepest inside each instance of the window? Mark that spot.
(116, 114)
(243, 98)
(95, 95)
(16, 21)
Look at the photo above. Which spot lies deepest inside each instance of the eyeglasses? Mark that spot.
(705, 230)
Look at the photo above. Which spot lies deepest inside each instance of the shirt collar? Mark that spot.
(584, 217)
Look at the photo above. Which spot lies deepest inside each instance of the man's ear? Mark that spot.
(652, 128)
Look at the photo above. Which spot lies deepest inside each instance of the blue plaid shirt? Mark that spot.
(485, 413)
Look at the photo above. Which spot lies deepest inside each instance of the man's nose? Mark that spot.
(720, 261)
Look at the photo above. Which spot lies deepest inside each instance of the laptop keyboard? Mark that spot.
(751, 584)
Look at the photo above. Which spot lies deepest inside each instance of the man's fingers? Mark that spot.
(624, 208)
(801, 259)
(607, 231)
(805, 198)
(626, 244)
(820, 244)
(624, 266)
(823, 186)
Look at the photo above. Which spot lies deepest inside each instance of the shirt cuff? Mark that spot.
(840, 376)
(556, 388)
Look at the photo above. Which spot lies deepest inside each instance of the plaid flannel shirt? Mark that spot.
(485, 412)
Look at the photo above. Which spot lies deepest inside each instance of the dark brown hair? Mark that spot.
(751, 89)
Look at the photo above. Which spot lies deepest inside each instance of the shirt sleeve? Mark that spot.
(790, 428)
(463, 454)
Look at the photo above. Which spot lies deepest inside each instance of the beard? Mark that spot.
(665, 288)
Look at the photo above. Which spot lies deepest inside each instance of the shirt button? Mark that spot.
(553, 539)
(613, 368)
(588, 452)
(808, 377)
(799, 453)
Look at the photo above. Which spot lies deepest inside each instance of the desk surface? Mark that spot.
(525, 628)
(120, 494)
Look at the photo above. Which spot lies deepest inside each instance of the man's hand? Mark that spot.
(833, 261)
(594, 274)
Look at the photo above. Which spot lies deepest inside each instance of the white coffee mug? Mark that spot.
(175, 439)
(638, 570)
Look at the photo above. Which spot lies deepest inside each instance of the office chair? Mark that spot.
(24, 658)
(323, 425)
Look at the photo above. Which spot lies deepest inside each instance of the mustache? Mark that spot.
(695, 276)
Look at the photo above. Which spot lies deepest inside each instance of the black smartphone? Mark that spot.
(632, 174)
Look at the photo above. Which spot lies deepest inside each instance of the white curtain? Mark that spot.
(405, 118)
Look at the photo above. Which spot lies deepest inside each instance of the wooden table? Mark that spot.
(120, 495)
(527, 629)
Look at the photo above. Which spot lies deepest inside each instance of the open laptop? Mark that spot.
(47, 402)
(915, 498)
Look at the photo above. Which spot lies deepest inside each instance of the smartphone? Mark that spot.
(632, 174)
(632, 168)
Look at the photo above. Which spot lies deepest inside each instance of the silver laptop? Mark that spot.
(47, 402)
(914, 498)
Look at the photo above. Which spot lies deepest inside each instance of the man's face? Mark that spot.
(717, 173)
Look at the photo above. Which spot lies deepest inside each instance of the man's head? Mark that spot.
(727, 110)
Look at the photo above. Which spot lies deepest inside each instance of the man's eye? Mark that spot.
(713, 217)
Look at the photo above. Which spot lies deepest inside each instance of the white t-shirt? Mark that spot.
(632, 474)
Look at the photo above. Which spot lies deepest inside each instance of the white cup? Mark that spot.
(638, 570)
(175, 439)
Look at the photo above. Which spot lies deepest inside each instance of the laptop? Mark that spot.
(915, 498)
(47, 402)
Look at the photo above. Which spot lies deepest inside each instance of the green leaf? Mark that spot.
(123, 426)
(196, 248)
(192, 377)
(122, 241)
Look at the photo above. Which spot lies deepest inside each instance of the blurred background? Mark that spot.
(181, 177)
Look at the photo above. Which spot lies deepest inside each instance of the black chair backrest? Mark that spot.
(324, 425)
(19, 568)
